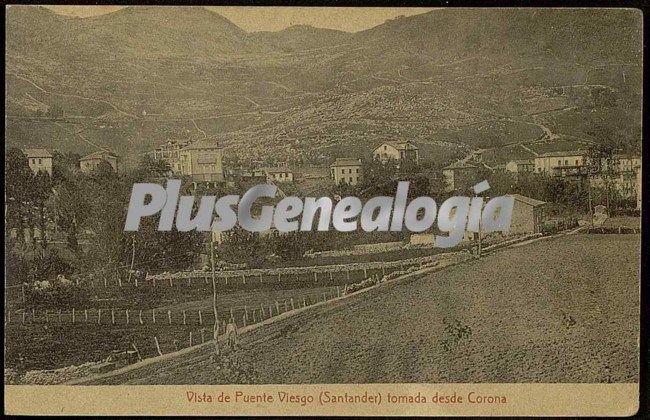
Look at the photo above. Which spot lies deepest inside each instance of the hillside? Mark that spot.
(452, 80)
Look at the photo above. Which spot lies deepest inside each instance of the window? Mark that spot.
(342, 171)
(40, 161)
(566, 162)
(357, 170)
(577, 162)
(350, 180)
(385, 147)
(350, 170)
(559, 163)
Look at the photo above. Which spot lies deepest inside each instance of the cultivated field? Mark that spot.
(556, 310)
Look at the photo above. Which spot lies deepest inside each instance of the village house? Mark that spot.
(346, 170)
(404, 152)
(171, 153)
(39, 160)
(620, 173)
(200, 160)
(460, 176)
(279, 174)
(520, 166)
(527, 215)
(564, 164)
(90, 162)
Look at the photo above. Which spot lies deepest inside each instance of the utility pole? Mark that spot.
(480, 234)
(214, 297)
(132, 260)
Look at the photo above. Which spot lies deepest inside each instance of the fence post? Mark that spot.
(262, 311)
(202, 335)
(184, 318)
(99, 316)
(232, 314)
(200, 318)
(277, 307)
(270, 311)
(33, 314)
(347, 271)
(383, 270)
(331, 277)
(127, 316)
(304, 301)
(60, 313)
(171, 280)
(24, 313)
(136, 285)
(261, 281)
(153, 315)
(85, 315)
(169, 317)
(365, 273)
(278, 277)
(119, 278)
(315, 277)
(324, 298)
(244, 319)
(73, 317)
(190, 338)
(112, 316)
(338, 291)
(206, 278)
(157, 345)
(140, 317)
(245, 313)
(47, 317)
(292, 306)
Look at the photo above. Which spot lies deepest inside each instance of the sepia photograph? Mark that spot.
(387, 210)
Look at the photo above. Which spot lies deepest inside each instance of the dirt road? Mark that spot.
(557, 310)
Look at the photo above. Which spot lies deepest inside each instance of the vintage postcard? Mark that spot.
(322, 211)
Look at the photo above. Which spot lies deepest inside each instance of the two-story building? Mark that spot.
(520, 166)
(460, 176)
(404, 152)
(200, 160)
(275, 174)
(346, 170)
(90, 162)
(171, 153)
(564, 164)
(39, 160)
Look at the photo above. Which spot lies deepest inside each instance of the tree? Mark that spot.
(18, 185)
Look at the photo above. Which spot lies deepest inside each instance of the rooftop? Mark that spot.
(400, 145)
(275, 169)
(564, 153)
(460, 165)
(100, 154)
(346, 162)
(527, 200)
(37, 153)
(202, 144)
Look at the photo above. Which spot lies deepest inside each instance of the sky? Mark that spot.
(350, 19)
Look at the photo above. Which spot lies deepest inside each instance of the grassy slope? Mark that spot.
(560, 310)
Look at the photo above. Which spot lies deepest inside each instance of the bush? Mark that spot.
(59, 293)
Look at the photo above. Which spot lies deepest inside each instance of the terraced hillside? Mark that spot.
(451, 80)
